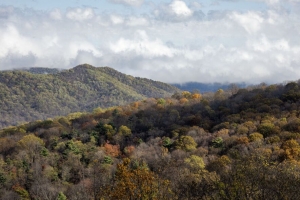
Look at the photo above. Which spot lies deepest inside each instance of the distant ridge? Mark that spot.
(206, 87)
(40, 93)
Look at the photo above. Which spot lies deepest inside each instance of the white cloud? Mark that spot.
(175, 11)
(264, 45)
(250, 21)
(56, 14)
(129, 2)
(115, 19)
(179, 8)
(172, 45)
(13, 42)
(137, 21)
(142, 46)
(79, 14)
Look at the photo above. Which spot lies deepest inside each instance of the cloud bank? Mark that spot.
(173, 42)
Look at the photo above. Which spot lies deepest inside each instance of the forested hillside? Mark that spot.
(238, 144)
(32, 94)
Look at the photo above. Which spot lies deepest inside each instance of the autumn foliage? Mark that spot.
(239, 144)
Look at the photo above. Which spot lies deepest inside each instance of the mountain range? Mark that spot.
(207, 87)
(40, 93)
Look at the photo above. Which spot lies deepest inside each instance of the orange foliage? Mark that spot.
(112, 150)
(169, 101)
(183, 100)
(196, 96)
(243, 140)
(135, 104)
(129, 150)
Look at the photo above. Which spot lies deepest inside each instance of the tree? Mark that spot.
(186, 94)
(267, 129)
(196, 163)
(32, 144)
(125, 131)
(186, 143)
(256, 137)
(291, 149)
(219, 95)
(136, 182)
(217, 142)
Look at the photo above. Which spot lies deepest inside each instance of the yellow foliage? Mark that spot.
(256, 137)
(31, 142)
(124, 130)
(186, 94)
(186, 143)
(196, 163)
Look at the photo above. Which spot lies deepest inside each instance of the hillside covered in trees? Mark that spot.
(27, 95)
(238, 144)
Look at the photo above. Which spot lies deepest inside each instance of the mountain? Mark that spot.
(207, 87)
(188, 146)
(42, 70)
(37, 93)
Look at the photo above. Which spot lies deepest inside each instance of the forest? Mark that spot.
(39, 93)
(234, 144)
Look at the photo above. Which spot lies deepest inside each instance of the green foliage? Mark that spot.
(167, 142)
(61, 196)
(108, 160)
(44, 152)
(75, 147)
(217, 142)
(161, 101)
(267, 129)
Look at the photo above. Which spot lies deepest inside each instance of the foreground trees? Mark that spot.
(199, 148)
(136, 181)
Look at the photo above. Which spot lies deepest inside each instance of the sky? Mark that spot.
(173, 41)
